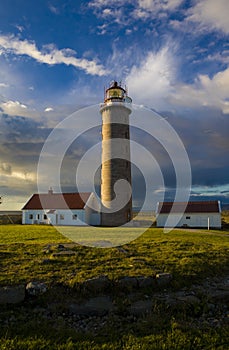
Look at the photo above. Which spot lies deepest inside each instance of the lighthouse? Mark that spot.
(116, 193)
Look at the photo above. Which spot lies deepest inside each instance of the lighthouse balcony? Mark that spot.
(116, 102)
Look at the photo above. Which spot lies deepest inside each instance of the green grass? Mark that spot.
(186, 254)
(172, 340)
(191, 256)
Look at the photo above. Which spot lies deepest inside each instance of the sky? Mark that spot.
(57, 56)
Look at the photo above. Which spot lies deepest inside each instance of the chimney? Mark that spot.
(50, 191)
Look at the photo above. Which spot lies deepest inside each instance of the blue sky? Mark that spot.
(57, 56)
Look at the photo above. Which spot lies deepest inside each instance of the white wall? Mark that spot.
(59, 217)
(191, 220)
(92, 211)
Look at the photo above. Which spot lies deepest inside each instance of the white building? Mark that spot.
(67, 209)
(202, 214)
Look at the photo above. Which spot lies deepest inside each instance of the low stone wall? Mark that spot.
(134, 296)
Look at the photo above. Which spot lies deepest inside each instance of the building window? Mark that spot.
(61, 217)
(31, 216)
(188, 217)
(45, 217)
(74, 217)
(38, 216)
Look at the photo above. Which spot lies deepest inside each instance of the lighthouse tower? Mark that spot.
(116, 194)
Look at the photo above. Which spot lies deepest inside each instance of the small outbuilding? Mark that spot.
(199, 214)
(65, 209)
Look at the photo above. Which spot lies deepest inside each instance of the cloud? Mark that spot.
(54, 9)
(210, 14)
(205, 91)
(49, 54)
(16, 108)
(3, 85)
(154, 81)
(151, 82)
(49, 109)
(13, 108)
(158, 5)
(5, 168)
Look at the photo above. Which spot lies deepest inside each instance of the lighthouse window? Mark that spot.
(114, 93)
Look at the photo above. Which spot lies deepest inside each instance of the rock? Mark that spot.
(12, 294)
(97, 284)
(95, 306)
(146, 282)
(163, 279)
(189, 299)
(36, 288)
(128, 283)
(141, 307)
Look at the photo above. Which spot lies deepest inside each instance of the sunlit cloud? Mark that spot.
(210, 14)
(49, 54)
(205, 91)
(151, 81)
(49, 109)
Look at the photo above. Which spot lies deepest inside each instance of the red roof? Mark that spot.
(57, 201)
(191, 207)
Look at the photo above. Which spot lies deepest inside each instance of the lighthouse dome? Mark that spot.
(116, 93)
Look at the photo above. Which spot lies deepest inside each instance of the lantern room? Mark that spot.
(116, 93)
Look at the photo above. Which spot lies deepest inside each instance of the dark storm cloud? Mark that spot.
(21, 139)
(204, 133)
(21, 129)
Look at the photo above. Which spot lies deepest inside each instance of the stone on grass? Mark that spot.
(128, 283)
(189, 299)
(163, 278)
(146, 282)
(36, 288)
(141, 307)
(97, 284)
(95, 306)
(12, 294)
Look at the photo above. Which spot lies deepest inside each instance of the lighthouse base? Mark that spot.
(117, 218)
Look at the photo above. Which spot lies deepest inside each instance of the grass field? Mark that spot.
(191, 256)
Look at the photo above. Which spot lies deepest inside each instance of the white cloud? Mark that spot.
(152, 81)
(49, 109)
(5, 168)
(13, 108)
(204, 92)
(156, 5)
(106, 3)
(49, 55)
(211, 14)
(54, 9)
(107, 12)
(3, 85)
(146, 8)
